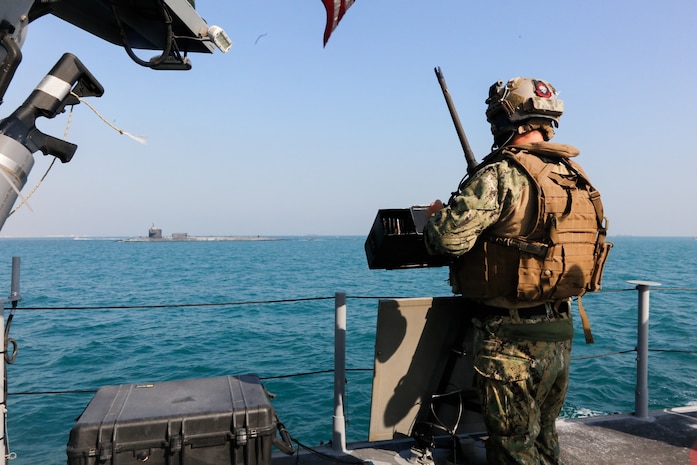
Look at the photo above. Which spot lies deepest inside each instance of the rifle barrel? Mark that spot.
(469, 155)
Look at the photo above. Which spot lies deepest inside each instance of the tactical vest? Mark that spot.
(564, 254)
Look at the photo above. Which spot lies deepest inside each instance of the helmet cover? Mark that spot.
(519, 100)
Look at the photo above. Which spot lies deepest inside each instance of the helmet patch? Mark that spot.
(541, 89)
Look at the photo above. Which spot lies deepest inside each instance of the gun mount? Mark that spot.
(396, 239)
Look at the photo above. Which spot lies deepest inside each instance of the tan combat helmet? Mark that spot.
(523, 104)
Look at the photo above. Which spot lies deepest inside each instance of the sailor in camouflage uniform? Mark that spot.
(498, 227)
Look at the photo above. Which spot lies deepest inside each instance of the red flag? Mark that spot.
(335, 11)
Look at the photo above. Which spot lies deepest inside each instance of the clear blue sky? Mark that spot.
(282, 136)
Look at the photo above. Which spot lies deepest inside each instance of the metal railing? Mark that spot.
(641, 398)
(13, 298)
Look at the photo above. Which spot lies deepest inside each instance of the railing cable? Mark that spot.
(207, 304)
(271, 301)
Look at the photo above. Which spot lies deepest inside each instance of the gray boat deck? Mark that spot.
(666, 437)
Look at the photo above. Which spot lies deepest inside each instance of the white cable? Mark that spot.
(140, 139)
(14, 187)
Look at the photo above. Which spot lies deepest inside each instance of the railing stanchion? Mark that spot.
(641, 399)
(339, 429)
(14, 298)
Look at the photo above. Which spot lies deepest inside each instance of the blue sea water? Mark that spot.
(102, 312)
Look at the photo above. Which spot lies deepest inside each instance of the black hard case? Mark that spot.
(217, 421)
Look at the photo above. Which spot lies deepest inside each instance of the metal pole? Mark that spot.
(641, 398)
(339, 430)
(3, 398)
(14, 298)
(14, 284)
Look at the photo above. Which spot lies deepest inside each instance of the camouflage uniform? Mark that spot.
(521, 360)
(522, 385)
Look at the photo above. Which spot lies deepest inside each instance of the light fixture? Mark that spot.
(220, 38)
